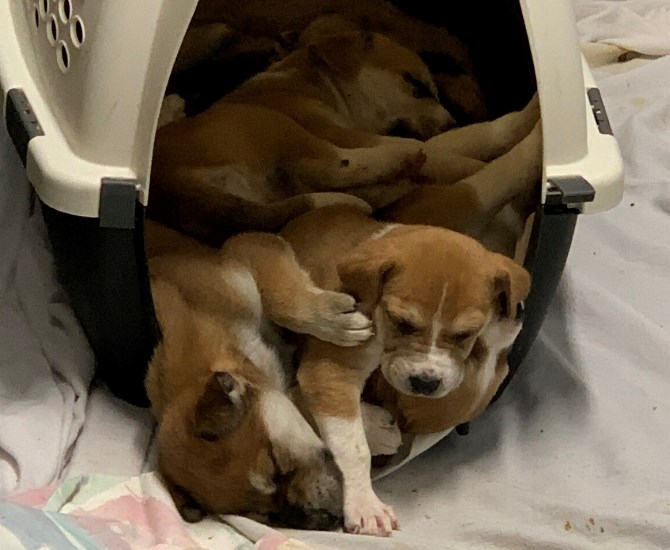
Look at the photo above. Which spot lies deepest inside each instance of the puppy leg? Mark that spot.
(447, 168)
(486, 141)
(289, 296)
(469, 205)
(211, 213)
(332, 390)
(346, 168)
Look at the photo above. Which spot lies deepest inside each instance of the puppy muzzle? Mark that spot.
(431, 374)
(296, 517)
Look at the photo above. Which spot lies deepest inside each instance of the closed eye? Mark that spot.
(461, 337)
(420, 90)
(403, 326)
(406, 329)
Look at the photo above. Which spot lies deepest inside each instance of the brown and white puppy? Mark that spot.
(311, 123)
(274, 147)
(484, 370)
(271, 20)
(230, 440)
(433, 294)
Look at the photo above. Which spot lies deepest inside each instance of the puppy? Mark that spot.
(311, 123)
(483, 370)
(272, 20)
(230, 440)
(436, 297)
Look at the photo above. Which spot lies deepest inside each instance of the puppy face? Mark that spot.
(435, 292)
(229, 441)
(244, 450)
(387, 88)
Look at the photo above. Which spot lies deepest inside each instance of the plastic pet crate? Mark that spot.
(82, 83)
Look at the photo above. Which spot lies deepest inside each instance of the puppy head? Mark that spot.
(435, 293)
(387, 87)
(239, 449)
(229, 441)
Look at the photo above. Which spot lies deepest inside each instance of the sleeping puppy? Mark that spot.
(230, 440)
(311, 125)
(484, 369)
(313, 122)
(435, 296)
(255, 21)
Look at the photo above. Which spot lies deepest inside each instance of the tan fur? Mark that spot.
(207, 381)
(420, 415)
(272, 18)
(309, 124)
(426, 276)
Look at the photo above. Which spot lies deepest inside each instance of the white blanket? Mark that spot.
(575, 454)
(45, 362)
(641, 26)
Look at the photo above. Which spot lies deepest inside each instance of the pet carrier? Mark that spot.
(82, 84)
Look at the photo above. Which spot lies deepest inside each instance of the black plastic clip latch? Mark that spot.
(564, 191)
(599, 111)
(22, 124)
(117, 203)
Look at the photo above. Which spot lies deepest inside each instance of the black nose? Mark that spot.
(295, 517)
(424, 385)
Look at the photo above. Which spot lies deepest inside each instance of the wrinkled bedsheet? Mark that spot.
(574, 455)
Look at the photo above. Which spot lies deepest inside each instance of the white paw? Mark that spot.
(337, 321)
(381, 430)
(365, 514)
(172, 109)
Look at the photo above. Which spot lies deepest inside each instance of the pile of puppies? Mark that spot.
(304, 255)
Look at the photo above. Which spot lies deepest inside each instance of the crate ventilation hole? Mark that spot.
(63, 28)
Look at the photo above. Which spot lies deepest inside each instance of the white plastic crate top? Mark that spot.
(88, 78)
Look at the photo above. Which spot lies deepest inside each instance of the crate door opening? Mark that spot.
(250, 82)
(84, 125)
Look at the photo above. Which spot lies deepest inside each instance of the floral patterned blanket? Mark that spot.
(98, 512)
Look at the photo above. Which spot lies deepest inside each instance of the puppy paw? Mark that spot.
(381, 430)
(336, 320)
(410, 169)
(365, 514)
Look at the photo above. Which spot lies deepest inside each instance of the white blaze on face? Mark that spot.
(436, 325)
(436, 363)
(443, 364)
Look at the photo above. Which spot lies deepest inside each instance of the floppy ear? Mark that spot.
(219, 409)
(511, 285)
(364, 272)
